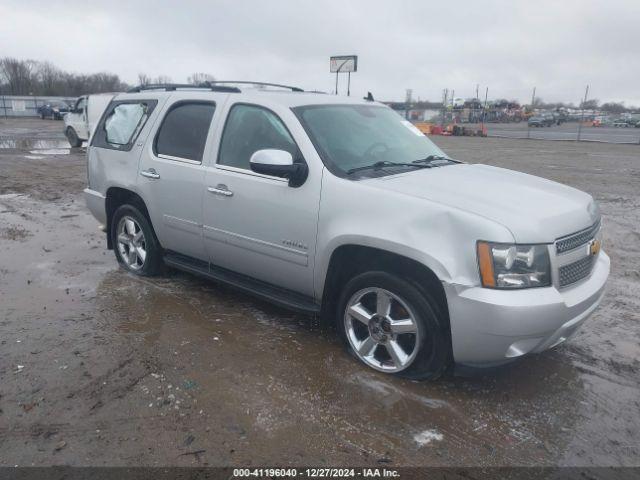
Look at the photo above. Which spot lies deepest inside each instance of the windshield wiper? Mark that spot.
(434, 159)
(384, 163)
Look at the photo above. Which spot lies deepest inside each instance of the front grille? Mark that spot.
(576, 271)
(574, 240)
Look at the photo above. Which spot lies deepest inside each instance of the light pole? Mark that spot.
(586, 92)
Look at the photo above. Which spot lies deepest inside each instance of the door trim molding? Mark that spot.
(263, 247)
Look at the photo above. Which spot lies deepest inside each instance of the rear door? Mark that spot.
(171, 174)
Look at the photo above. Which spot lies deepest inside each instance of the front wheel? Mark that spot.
(134, 242)
(73, 138)
(393, 327)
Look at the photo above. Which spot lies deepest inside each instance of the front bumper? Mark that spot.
(492, 327)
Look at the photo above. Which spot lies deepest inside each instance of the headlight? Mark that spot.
(507, 266)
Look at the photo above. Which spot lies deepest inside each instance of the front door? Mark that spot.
(255, 224)
(171, 175)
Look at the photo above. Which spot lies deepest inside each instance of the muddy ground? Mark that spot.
(98, 367)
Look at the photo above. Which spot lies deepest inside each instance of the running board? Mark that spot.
(266, 291)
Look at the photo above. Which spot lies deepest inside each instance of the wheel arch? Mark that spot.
(116, 197)
(349, 260)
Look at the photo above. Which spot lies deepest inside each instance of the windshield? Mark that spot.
(353, 136)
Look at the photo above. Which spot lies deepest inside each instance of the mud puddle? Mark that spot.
(34, 144)
(138, 365)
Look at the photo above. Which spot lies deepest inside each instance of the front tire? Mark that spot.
(390, 325)
(134, 242)
(72, 137)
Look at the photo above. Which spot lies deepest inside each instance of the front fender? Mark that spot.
(437, 236)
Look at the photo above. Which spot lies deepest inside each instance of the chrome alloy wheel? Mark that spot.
(382, 329)
(131, 243)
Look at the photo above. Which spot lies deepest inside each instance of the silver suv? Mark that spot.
(339, 208)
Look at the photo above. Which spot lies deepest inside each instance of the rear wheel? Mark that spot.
(393, 327)
(72, 136)
(135, 244)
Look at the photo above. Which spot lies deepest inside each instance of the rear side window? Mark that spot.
(121, 124)
(250, 128)
(125, 122)
(183, 133)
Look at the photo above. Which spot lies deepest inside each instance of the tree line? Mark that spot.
(32, 77)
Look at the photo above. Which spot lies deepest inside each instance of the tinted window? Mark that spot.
(125, 122)
(184, 131)
(250, 129)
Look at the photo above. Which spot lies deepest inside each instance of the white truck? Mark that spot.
(80, 122)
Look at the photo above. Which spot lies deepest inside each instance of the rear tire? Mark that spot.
(404, 336)
(134, 242)
(73, 138)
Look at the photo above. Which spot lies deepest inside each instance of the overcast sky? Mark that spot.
(510, 46)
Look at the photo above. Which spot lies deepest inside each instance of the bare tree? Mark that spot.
(29, 77)
(161, 79)
(591, 104)
(143, 79)
(199, 78)
(613, 107)
(18, 75)
(50, 78)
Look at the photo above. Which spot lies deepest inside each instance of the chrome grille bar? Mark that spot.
(569, 242)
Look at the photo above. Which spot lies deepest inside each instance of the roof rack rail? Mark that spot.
(264, 84)
(168, 87)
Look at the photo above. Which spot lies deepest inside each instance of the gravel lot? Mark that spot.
(98, 367)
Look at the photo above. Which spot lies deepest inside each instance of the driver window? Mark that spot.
(248, 129)
(80, 105)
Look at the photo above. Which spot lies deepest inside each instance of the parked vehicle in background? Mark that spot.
(80, 122)
(541, 121)
(601, 121)
(559, 117)
(54, 110)
(339, 208)
(622, 123)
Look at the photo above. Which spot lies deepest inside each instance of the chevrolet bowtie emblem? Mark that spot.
(594, 248)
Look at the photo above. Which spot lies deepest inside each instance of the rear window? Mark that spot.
(183, 133)
(121, 124)
(124, 123)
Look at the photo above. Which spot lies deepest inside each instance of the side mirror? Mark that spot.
(279, 163)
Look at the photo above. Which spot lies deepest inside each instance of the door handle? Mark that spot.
(220, 189)
(151, 173)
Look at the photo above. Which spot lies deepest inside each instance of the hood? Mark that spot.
(534, 209)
